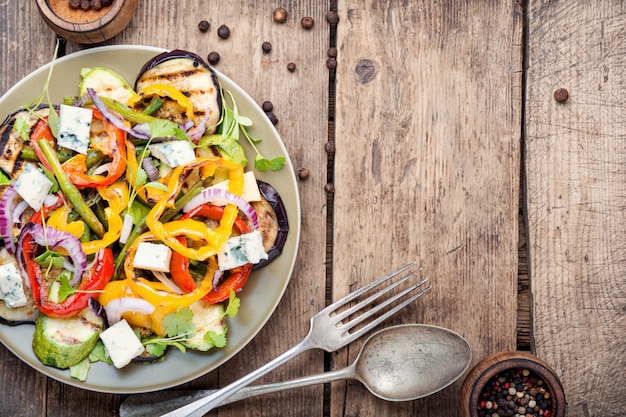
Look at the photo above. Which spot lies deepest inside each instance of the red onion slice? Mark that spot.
(112, 117)
(19, 210)
(209, 195)
(54, 239)
(102, 169)
(127, 228)
(7, 208)
(167, 282)
(118, 306)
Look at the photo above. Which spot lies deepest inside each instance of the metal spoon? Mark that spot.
(399, 363)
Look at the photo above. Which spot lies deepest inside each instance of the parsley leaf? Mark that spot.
(228, 146)
(218, 340)
(162, 128)
(65, 289)
(263, 164)
(49, 258)
(22, 127)
(233, 305)
(99, 353)
(178, 323)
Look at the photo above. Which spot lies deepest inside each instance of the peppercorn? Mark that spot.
(267, 47)
(303, 173)
(272, 117)
(332, 17)
(96, 5)
(213, 58)
(561, 95)
(223, 32)
(291, 67)
(75, 4)
(307, 22)
(331, 63)
(329, 188)
(204, 26)
(85, 5)
(332, 52)
(329, 147)
(106, 3)
(267, 106)
(280, 15)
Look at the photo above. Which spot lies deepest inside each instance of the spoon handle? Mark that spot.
(155, 403)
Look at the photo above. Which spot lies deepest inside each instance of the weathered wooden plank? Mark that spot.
(428, 135)
(576, 185)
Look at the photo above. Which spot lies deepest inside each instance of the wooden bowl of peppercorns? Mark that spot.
(512, 384)
(87, 21)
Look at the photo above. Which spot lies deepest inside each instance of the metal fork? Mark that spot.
(328, 331)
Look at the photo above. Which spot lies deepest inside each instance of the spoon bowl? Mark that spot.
(398, 363)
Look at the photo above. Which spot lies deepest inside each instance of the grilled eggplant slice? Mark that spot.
(17, 315)
(193, 77)
(11, 142)
(273, 222)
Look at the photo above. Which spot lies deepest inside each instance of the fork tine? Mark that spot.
(340, 316)
(353, 336)
(364, 289)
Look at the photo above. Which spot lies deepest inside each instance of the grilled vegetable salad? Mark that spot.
(128, 220)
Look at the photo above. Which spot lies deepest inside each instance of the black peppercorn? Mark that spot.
(85, 5)
(267, 106)
(204, 26)
(75, 4)
(96, 5)
(561, 95)
(106, 3)
(291, 67)
(280, 15)
(307, 22)
(332, 17)
(272, 117)
(213, 58)
(332, 52)
(223, 32)
(329, 147)
(329, 188)
(331, 63)
(303, 173)
(267, 47)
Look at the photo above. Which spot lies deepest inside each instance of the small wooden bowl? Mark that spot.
(87, 27)
(499, 363)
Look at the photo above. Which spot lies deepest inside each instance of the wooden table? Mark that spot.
(434, 109)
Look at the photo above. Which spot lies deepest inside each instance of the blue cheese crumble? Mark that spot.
(153, 257)
(173, 153)
(74, 126)
(33, 186)
(11, 288)
(240, 250)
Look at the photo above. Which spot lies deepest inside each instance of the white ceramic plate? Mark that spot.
(265, 287)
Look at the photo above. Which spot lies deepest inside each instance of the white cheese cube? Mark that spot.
(11, 288)
(33, 186)
(240, 250)
(173, 153)
(153, 257)
(121, 343)
(250, 188)
(74, 125)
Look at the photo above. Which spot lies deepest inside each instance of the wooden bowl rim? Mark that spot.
(484, 370)
(105, 19)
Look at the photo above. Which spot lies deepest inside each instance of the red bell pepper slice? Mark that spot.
(114, 145)
(93, 280)
(179, 265)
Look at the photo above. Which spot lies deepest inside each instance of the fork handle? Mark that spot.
(211, 401)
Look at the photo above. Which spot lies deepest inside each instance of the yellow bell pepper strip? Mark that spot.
(116, 195)
(165, 90)
(58, 220)
(69, 189)
(215, 238)
(149, 195)
(164, 301)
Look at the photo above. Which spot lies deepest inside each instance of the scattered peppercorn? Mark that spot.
(303, 173)
(291, 67)
(75, 4)
(332, 52)
(329, 147)
(307, 22)
(85, 5)
(331, 63)
(267, 47)
(223, 32)
(561, 95)
(204, 26)
(272, 117)
(280, 15)
(515, 392)
(329, 188)
(332, 17)
(213, 58)
(267, 106)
